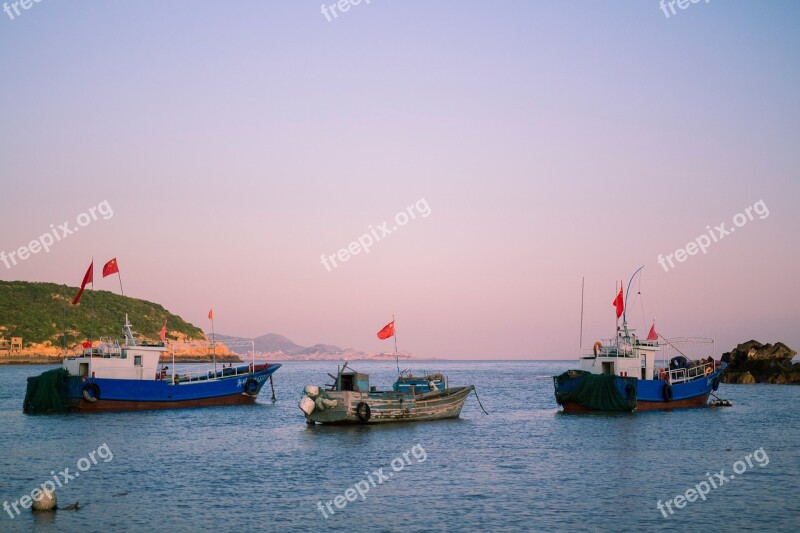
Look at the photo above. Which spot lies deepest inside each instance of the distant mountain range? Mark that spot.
(279, 348)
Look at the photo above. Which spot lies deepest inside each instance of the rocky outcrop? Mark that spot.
(753, 362)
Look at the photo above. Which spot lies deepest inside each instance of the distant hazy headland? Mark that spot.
(278, 348)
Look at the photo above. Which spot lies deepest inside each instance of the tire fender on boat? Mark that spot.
(251, 387)
(91, 392)
(363, 411)
(630, 391)
(666, 391)
(715, 383)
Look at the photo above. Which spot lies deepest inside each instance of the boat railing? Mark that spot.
(205, 373)
(108, 347)
(610, 348)
(681, 375)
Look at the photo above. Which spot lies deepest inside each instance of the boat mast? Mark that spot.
(580, 339)
(625, 308)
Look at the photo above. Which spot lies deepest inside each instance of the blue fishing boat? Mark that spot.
(126, 376)
(627, 373)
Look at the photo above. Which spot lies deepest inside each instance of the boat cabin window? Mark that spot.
(83, 369)
(347, 381)
(137, 360)
(608, 368)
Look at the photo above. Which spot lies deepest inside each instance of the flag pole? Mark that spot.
(120, 282)
(64, 329)
(213, 342)
(396, 359)
(91, 320)
(616, 334)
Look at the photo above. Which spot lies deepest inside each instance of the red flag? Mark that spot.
(86, 344)
(110, 268)
(163, 333)
(387, 331)
(88, 278)
(652, 336)
(618, 303)
(211, 314)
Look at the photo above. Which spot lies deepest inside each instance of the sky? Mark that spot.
(234, 151)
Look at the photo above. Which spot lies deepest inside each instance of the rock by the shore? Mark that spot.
(753, 362)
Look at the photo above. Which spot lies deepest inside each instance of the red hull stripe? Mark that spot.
(126, 405)
(697, 401)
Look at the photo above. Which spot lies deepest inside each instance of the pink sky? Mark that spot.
(550, 142)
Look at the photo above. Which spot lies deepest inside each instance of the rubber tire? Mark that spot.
(91, 392)
(249, 387)
(630, 392)
(666, 392)
(715, 383)
(363, 412)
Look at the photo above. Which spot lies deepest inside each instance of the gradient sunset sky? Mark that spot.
(238, 142)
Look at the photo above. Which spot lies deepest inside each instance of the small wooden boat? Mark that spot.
(351, 400)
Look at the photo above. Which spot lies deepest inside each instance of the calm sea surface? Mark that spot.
(524, 467)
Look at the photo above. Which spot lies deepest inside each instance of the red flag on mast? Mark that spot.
(652, 336)
(618, 302)
(111, 268)
(387, 331)
(163, 333)
(211, 314)
(87, 278)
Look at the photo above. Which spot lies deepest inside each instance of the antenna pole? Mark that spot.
(213, 343)
(580, 341)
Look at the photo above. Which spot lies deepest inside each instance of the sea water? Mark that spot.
(524, 467)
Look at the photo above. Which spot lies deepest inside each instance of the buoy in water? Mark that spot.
(47, 501)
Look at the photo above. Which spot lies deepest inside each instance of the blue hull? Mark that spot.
(104, 394)
(650, 394)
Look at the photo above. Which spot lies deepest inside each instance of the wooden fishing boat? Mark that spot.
(351, 400)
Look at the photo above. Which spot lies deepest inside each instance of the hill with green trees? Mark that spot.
(41, 312)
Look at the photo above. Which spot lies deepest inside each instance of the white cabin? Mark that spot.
(626, 356)
(114, 361)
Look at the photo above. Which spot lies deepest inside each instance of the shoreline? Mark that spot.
(57, 360)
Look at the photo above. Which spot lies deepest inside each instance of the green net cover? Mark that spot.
(47, 393)
(597, 392)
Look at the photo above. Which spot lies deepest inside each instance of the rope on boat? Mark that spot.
(479, 400)
(720, 402)
(272, 387)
